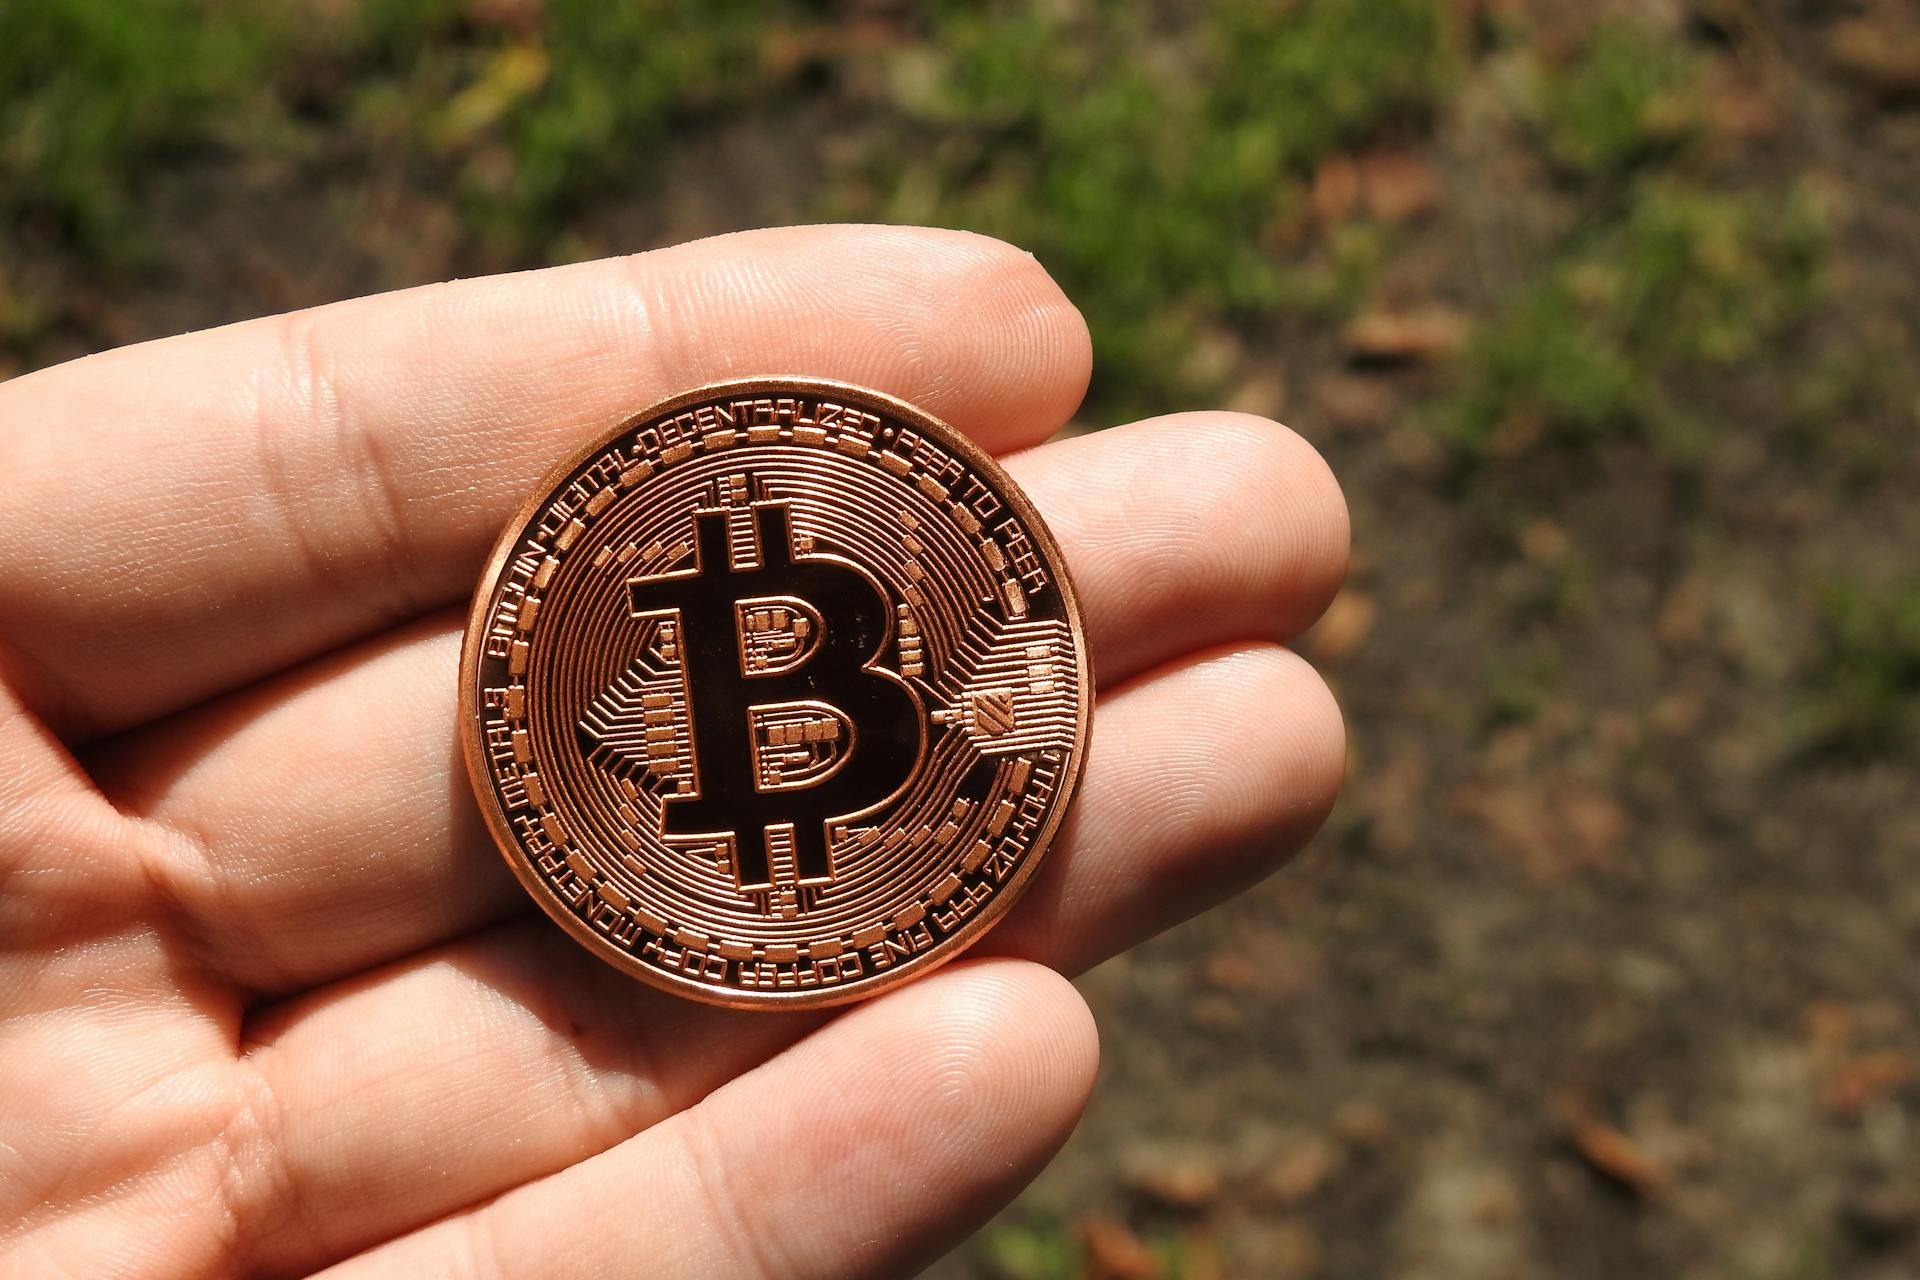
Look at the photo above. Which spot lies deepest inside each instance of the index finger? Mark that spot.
(185, 516)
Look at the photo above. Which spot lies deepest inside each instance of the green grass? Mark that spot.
(1662, 277)
(93, 92)
(1157, 161)
(1861, 691)
(1855, 402)
(530, 125)
(1682, 283)
(535, 125)
(1519, 685)
(1631, 97)
(1033, 1245)
(1030, 1250)
(1156, 174)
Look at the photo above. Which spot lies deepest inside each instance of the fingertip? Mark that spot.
(1032, 369)
(1288, 741)
(1190, 530)
(1203, 776)
(968, 327)
(1311, 531)
(939, 1100)
(1046, 1027)
(1044, 331)
(1326, 505)
(1015, 1051)
(1318, 749)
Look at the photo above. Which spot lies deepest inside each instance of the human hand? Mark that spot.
(270, 1000)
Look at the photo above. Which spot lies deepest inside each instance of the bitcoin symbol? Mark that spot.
(795, 729)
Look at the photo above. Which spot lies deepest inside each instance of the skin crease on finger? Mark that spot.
(149, 1146)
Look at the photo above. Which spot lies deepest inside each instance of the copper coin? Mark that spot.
(775, 695)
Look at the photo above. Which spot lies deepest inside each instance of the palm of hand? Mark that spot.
(268, 998)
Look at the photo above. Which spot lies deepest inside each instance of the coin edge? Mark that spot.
(913, 968)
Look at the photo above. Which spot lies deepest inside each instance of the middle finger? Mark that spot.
(321, 823)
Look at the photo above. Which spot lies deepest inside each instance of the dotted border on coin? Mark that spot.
(553, 519)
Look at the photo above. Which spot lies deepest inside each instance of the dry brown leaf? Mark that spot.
(1349, 402)
(1552, 828)
(1879, 56)
(1391, 797)
(1262, 393)
(1741, 111)
(1233, 969)
(1114, 1252)
(1336, 190)
(1497, 1200)
(1363, 1124)
(1344, 627)
(521, 16)
(1830, 1026)
(1544, 542)
(1618, 1157)
(1682, 621)
(1398, 186)
(1175, 1179)
(1303, 1171)
(1423, 333)
(1858, 1083)
(1217, 1012)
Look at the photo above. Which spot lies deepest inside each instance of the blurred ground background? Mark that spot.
(1609, 962)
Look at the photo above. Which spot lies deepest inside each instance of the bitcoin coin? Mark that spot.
(775, 695)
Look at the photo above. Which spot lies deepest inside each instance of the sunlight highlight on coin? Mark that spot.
(776, 694)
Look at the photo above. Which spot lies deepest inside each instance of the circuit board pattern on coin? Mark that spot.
(777, 694)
